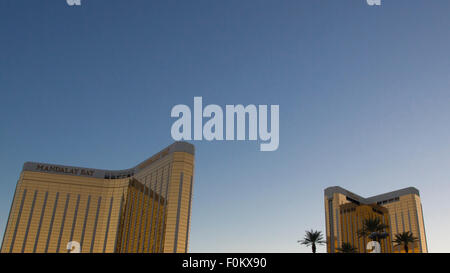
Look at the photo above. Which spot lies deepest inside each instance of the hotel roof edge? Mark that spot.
(393, 194)
(178, 146)
(336, 189)
(381, 197)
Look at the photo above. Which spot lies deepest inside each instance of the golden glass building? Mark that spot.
(400, 210)
(145, 209)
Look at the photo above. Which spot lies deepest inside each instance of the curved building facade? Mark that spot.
(400, 211)
(145, 209)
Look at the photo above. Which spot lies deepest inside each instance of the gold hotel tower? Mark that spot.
(145, 209)
(400, 210)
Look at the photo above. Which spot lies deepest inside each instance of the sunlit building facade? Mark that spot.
(400, 211)
(145, 209)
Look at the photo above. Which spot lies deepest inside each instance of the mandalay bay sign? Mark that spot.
(64, 170)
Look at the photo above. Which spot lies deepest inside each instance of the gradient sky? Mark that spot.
(364, 95)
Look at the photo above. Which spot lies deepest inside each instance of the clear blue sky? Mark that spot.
(363, 92)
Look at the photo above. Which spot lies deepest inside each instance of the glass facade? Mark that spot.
(400, 211)
(145, 209)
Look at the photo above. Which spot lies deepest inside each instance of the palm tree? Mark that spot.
(363, 233)
(347, 248)
(312, 238)
(404, 239)
(372, 228)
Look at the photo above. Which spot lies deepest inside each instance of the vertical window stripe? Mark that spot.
(107, 224)
(140, 219)
(164, 212)
(125, 223)
(58, 246)
(189, 215)
(136, 217)
(118, 224)
(180, 190)
(74, 219)
(155, 239)
(147, 214)
(151, 219)
(30, 217)
(18, 220)
(85, 222)
(36, 240)
(130, 216)
(51, 222)
(95, 224)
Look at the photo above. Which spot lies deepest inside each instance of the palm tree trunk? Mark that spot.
(406, 248)
(314, 248)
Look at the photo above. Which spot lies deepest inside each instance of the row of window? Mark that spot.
(118, 176)
(348, 210)
(388, 201)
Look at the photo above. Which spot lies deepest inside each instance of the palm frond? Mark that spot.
(404, 238)
(347, 248)
(312, 237)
